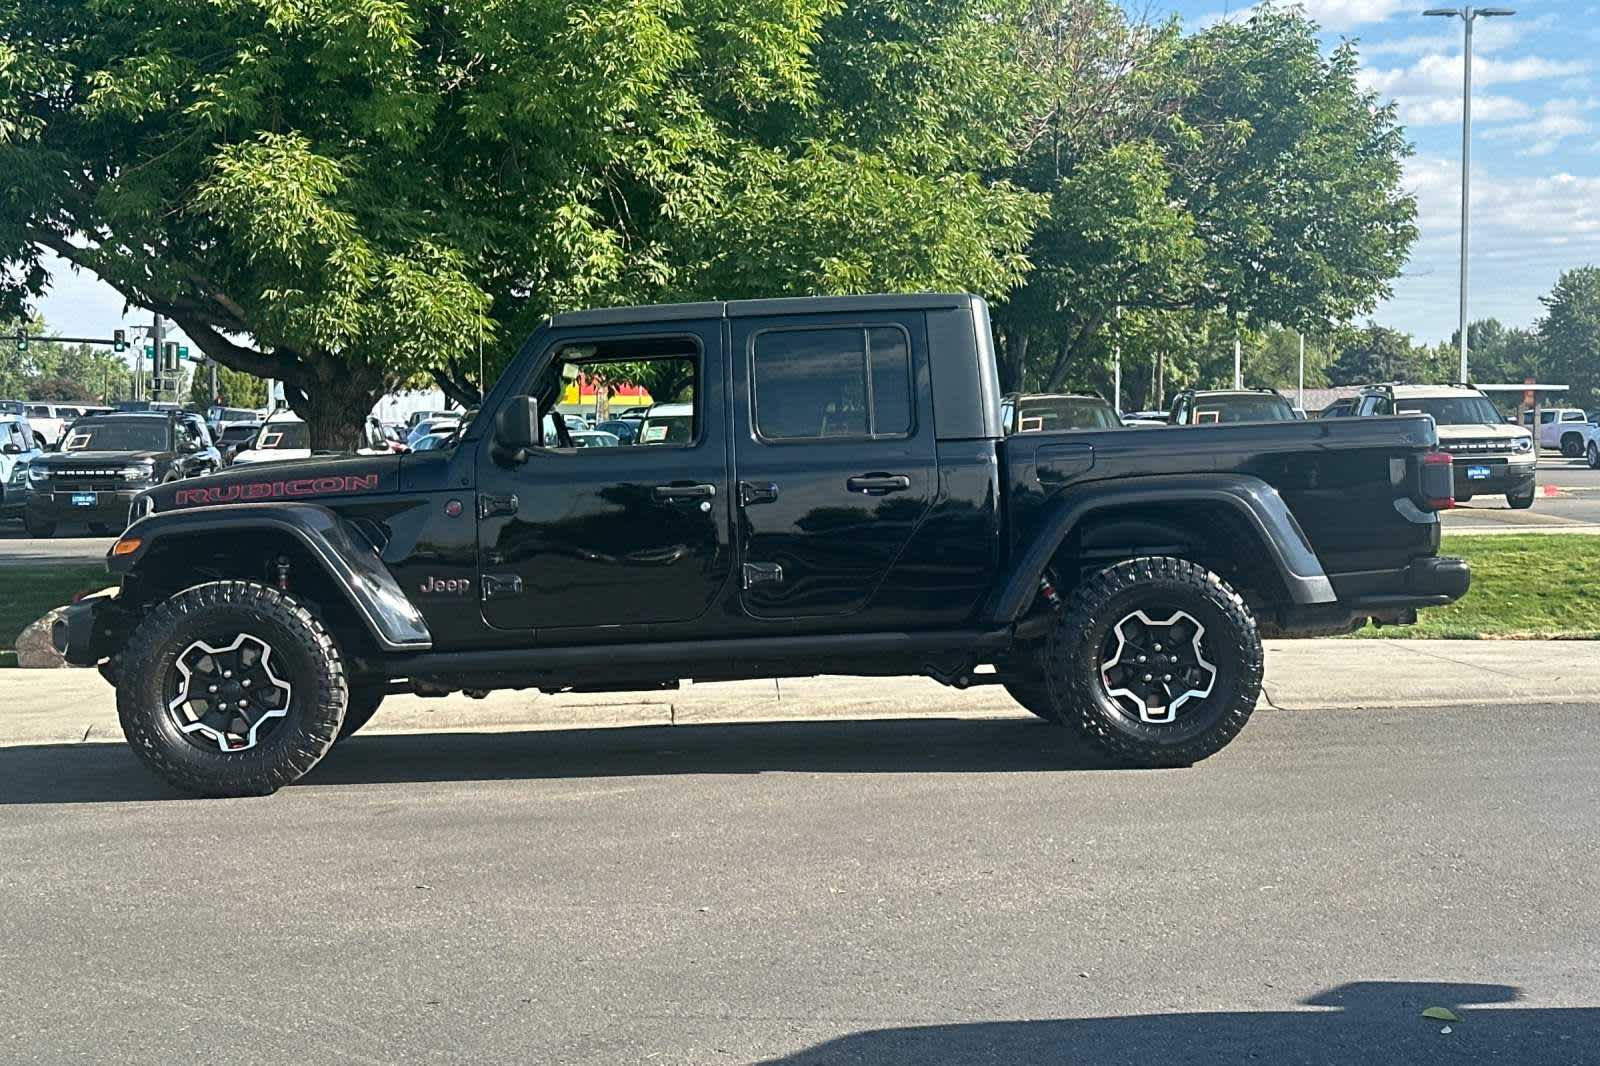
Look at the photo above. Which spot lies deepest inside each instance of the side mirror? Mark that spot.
(516, 426)
(11, 449)
(1512, 420)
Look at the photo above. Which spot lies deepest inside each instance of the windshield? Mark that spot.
(1451, 410)
(1243, 409)
(1051, 413)
(239, 433)
(145, 435)
(280, 435)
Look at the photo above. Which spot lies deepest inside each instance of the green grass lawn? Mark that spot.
(27, 593)
(1522, 586)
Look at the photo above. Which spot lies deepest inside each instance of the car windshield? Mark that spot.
(1051, 413)
(1451, 410)
(127, 435)
(238, 433)
(278, 435)
(667, 429)
(1243, 409)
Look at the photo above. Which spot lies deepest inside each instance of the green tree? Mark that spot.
(348, 196)
(1373, 354)
(235, 388)
(1569, 334)
(1239, 171)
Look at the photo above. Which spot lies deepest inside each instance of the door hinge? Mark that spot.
(750, 493)
(500, 586)
(762, 574)
(495, 506)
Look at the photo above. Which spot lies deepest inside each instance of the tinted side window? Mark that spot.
(844, 382)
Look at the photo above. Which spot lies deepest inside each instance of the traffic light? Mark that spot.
(119, 340)
(169, 357)
(22, 339)
(150, 352)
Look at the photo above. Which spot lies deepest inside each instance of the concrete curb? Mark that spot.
(74, 706)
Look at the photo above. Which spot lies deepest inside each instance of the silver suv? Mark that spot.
(1490, 457)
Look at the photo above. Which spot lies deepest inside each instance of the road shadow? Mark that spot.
(1368, 1023)
(109, 773)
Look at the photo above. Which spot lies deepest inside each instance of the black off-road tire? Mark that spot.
(363, 704)
(38, 529)
(1520, 503)
(1074, 660)
(1571, 445)
(1591, 455)
(307, 655)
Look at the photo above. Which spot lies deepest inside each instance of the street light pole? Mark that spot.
(1468, 15)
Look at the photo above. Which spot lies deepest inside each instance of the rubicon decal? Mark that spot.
(249, 491)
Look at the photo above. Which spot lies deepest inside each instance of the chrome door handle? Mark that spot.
(878, 484)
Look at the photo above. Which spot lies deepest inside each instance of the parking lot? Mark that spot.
(917, 892)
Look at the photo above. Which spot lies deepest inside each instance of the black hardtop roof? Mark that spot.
(787, 305)
(131, 416)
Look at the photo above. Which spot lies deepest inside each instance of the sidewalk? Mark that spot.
(55, 706)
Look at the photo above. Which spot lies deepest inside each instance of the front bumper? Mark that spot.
(1503, 478)
(110, 506)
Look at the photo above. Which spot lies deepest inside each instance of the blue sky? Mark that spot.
(1535, 155)
(1535, 146)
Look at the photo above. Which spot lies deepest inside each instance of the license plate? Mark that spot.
(84, 499)
(1477, 473)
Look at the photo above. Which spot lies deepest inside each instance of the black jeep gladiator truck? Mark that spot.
(105, 461)
(841, 500)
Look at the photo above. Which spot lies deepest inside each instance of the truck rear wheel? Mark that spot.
(1157, 661)
(231, 688)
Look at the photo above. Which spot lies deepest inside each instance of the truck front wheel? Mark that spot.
(231, 688)
(1157, 661)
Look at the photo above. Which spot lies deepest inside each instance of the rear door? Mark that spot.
(834, 458)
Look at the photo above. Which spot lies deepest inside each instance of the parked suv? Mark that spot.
(1197, 408)
(1053, 412)
(1489, 456)
(18, 449)
(107, 460)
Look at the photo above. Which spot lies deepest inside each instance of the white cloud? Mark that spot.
(1557, 121)
(1334, 15)
(1439, 73)
(1525, 231)
(1440, 110)
(1489, 35)
(1429, 90)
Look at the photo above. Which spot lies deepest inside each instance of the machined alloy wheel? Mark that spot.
(231, 688)
(228, 695)
(1156, 666)
(1157, 660)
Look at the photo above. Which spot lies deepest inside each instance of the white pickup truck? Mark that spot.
(1568, 430)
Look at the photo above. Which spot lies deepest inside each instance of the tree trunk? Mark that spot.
(335, 408)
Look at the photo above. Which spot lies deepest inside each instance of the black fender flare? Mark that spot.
(347, 558)
(1257, 502)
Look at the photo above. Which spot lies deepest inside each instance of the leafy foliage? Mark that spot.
(348, 195)
(52, 370)
(1570, 334)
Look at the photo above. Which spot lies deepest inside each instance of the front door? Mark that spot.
(587, 531)
(834, 458)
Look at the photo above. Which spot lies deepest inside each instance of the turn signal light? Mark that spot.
(126, 546)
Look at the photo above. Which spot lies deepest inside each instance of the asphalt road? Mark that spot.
(917, 892)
